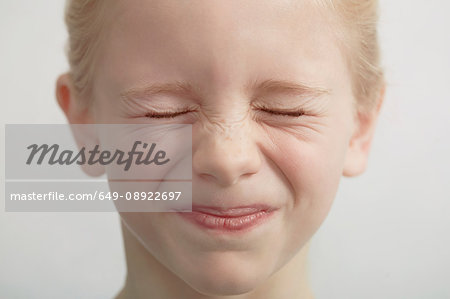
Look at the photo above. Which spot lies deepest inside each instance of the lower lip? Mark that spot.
(227, 223)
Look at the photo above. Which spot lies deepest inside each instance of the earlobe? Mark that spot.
(79, 118)
(360, 143)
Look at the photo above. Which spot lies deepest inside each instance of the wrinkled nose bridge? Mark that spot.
(230, 136)
(226, 152)
(227, 122)
(228, 130)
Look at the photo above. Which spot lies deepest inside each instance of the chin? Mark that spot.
(221, 285)
(226, 276)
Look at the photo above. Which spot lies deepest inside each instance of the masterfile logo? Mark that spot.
(98, 167)
(53, 155)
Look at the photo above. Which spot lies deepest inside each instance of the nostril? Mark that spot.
(206, 177)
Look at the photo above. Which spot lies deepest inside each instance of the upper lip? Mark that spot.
(236, 211)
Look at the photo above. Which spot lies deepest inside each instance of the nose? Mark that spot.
(225, 156)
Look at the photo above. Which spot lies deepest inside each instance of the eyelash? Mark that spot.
(294, 113)
(168, 114)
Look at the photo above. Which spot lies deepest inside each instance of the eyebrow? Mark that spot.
(173, 88)
(260, 88)
(287, 87)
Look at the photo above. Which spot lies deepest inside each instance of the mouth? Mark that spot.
(233, 219)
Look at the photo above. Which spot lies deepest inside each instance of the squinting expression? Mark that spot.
(267, 91)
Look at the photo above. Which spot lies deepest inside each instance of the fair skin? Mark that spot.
(279, 55)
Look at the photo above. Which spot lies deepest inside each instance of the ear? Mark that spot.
(360, 142)
(79, 116)
(72, 106)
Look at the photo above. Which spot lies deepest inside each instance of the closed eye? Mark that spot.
(292, 113)
(170, 114)
(166, 114)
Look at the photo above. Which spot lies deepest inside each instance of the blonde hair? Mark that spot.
(359, 41)
(85, 20)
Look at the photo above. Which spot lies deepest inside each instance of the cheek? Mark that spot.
(312, 167)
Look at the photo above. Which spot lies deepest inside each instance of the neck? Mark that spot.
(148, 278)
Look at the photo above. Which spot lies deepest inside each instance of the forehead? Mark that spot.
(219, 42)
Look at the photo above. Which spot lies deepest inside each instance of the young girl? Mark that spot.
(283, 98)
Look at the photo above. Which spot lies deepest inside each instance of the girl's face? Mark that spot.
(245, 70)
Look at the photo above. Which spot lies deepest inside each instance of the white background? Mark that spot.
(387, 236)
